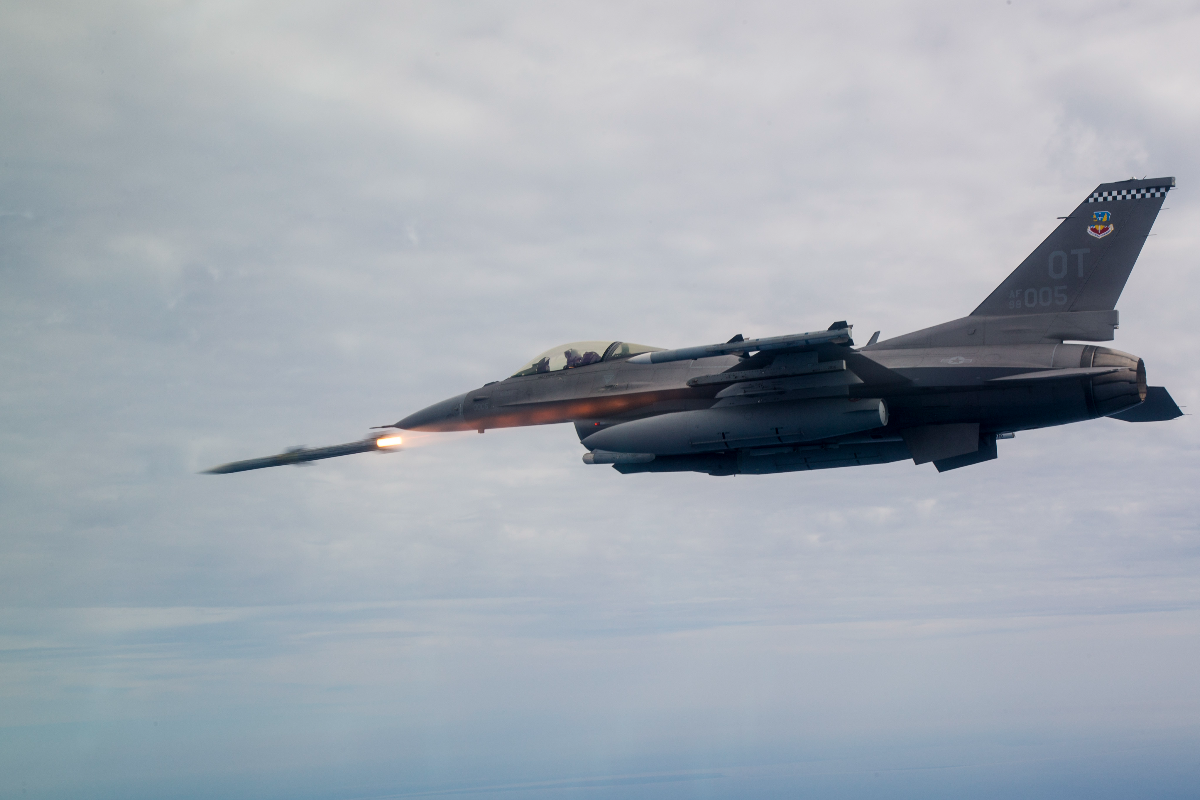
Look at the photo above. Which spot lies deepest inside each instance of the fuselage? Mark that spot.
(1000, 388)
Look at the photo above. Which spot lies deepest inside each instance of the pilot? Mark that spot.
(575, 360)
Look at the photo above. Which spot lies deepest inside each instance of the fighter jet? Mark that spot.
(943, 394)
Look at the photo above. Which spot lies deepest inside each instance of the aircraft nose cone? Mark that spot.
(444, 416)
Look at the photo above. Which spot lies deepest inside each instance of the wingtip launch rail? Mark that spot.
(793, 343)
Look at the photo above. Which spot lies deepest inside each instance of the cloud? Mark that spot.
(233, 228)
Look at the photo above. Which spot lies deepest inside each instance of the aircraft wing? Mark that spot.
(872, 372)
(1056, 374)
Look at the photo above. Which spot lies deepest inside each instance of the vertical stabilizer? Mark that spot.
(1084, 264)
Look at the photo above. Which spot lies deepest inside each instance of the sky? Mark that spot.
(230, 228)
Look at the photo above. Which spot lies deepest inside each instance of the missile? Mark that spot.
(838, 333)
(300, 455)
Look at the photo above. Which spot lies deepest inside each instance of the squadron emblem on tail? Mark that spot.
(1101, 224)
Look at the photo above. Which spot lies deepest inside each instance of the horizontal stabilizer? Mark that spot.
(1056, 374)
(1157, 407)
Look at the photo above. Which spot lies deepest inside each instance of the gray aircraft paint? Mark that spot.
(1084, 264)
(804, 401)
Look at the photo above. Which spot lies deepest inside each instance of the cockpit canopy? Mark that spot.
(580, 354)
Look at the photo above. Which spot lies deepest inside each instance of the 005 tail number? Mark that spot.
(1045, 296)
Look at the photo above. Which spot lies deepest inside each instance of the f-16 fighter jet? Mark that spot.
(945, 394)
